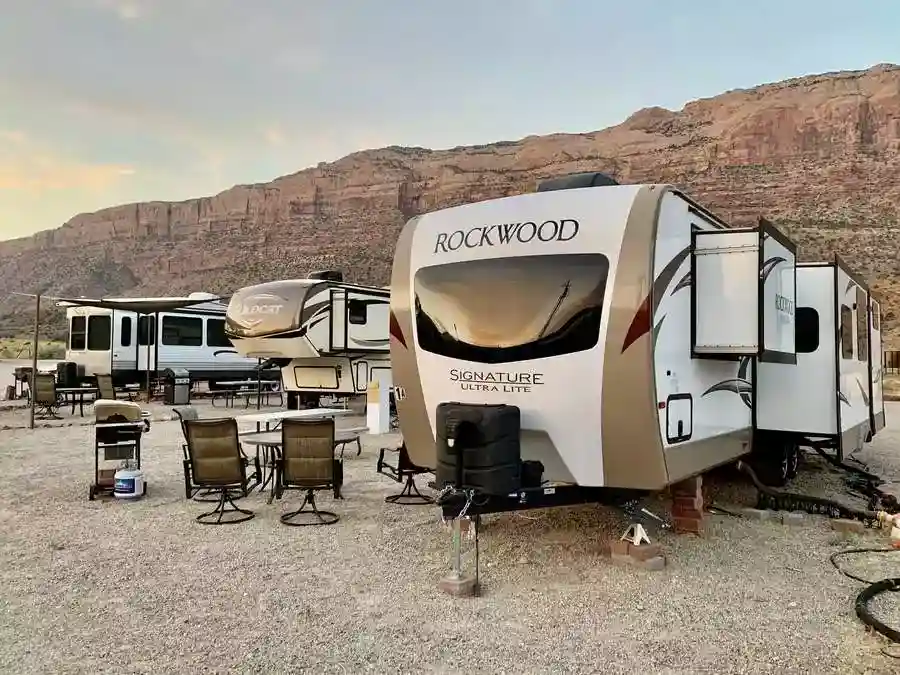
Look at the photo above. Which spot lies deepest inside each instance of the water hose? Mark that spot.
(781, 500)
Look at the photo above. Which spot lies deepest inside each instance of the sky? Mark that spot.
(105, 102)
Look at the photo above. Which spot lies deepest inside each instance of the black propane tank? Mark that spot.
(478, 448)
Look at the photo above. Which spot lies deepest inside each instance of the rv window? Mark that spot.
(807, 330)
(846, 332)
(503, 310)
(99, 338)
(126, 331)
(215, 333)
(182, 331)
(876, 316)
(862, 325)
(357, 311)
(78, 334)
(146, 330)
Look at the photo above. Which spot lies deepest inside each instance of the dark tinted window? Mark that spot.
(146, 330)
(862, 325)
(182, 331)
(511, 309)
(78, 334)
(126, 331)
(846, 332)
(215, 333)
(876, 316)
(357, 311)
(99, 338)
(807, 327)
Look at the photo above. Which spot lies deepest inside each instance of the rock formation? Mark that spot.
(820, 155)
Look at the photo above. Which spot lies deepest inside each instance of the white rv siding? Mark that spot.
(683, 383)
(802, 398)
(565, 403)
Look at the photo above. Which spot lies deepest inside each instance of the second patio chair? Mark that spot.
(307, 463)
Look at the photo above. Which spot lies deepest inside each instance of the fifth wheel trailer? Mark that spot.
(639, 338)
(329, 337)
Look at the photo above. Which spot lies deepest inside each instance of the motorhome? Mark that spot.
(638, 338)
(329, 337)
(127, 344)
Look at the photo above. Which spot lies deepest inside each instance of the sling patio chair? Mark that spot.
(307, 463)
(196, 492)
(217, 464)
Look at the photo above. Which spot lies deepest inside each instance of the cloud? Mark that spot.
(28, 166)
(126, 10)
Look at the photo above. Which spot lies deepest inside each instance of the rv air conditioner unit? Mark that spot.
(576, 180)
(326, 275)
(744, 285)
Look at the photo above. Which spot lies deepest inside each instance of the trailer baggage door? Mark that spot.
(876, 367)
(337, 335)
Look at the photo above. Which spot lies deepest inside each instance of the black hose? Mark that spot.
(770, 497)
(862, 607)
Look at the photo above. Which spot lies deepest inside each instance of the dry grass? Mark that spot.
(20, 348)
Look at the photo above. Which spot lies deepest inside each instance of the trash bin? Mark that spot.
(176, 386)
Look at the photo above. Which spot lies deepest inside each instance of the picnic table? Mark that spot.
(276, 416)
(75, 395)
(245, 389)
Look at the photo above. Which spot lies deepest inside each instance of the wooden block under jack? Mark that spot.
(459, 586)
(655, 563)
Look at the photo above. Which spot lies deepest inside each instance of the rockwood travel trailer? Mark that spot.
(329, 337)
(594, 339)
(127, 344)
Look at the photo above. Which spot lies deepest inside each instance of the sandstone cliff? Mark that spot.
(818, 154)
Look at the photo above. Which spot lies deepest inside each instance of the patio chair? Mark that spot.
(307, 463)
(216, 462)
(196, 492)
(46, 399)
(404, 470)
(105, 388)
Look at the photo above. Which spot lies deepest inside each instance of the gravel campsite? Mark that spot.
(108, 586)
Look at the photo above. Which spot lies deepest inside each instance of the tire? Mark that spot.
(793, 451)
(772, 462)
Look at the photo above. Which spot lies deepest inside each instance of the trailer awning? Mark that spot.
(137, 305)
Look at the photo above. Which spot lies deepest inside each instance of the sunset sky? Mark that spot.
(105, 102)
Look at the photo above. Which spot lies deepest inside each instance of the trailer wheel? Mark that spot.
(793, 453)
(772, 462)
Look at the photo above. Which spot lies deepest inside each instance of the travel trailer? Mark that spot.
(593, 340)
(127, 344)
(328, 336)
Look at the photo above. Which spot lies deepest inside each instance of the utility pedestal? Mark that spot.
(378, 402)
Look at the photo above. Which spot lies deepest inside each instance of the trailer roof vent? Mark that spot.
(576, 180)
(326, 275)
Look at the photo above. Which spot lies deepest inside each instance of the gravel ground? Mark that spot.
(141, 588)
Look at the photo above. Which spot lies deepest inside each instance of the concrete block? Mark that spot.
(620, 547)
(758, 514)
(645, 552)
(654, 564)
(793, 518)
(847, 525)
(458, 587)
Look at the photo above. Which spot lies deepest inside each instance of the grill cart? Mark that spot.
(118, 431)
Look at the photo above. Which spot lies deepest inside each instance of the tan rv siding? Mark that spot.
(405, 368)
(632, 447)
